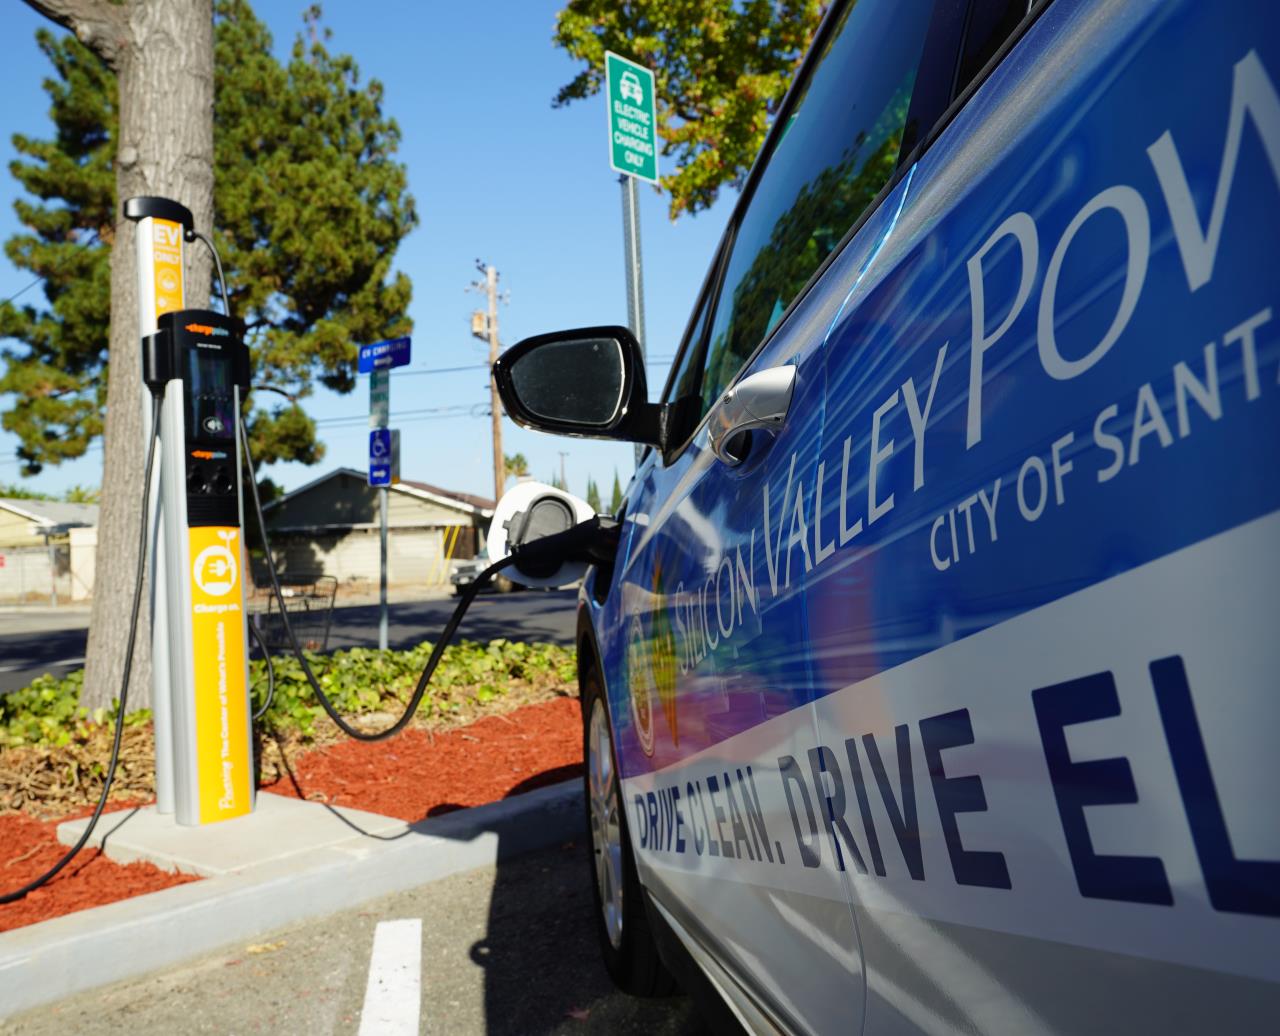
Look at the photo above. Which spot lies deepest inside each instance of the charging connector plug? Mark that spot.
(594, 541)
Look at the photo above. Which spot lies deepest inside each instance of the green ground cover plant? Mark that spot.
(359, 682)
(54, 753)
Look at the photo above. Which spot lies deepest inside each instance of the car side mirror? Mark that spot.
(587, 382)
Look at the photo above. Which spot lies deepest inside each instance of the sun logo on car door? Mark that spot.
(640, 684)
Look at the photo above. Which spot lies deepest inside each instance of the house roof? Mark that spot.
(423, 490)
(480, 503)
(54, 514)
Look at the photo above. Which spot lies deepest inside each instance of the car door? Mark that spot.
(1044, 656)
(709, 669)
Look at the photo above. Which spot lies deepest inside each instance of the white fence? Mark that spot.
(35, 575)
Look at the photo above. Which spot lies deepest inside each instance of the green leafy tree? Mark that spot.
(615, 498)
(721, 68)
(593, 495)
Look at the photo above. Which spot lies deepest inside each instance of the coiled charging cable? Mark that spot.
(437, 652)
(580, 540)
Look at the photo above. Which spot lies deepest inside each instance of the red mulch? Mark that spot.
(417, 774)
(411, 776)
(29, 847)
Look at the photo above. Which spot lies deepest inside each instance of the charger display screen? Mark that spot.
(210, 401)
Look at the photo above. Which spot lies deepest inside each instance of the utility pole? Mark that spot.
(490, 288)
(564, 482)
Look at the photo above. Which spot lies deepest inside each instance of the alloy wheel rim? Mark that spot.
(606, 827)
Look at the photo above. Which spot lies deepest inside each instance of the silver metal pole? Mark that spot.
(157, 551)
(382, 590)
(53, 571)
(631, 248)
(634, 267)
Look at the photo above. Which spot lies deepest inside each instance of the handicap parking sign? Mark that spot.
(383, 459)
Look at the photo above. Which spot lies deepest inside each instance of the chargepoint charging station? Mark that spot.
(197, 362)
(196, 368)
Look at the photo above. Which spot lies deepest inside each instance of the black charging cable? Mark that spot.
(271, 671)
(195, 235)
(591, 540)
(53, 871)
(437, 652)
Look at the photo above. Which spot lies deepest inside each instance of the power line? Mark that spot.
(654, 361)
(22, 291)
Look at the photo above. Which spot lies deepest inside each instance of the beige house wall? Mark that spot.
(333, 529)
(17, 531)
(414, 556)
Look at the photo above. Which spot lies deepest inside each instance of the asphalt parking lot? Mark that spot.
(506, 949)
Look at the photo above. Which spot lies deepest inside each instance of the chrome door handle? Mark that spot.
(760, 400)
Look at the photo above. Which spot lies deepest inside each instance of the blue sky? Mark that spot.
(498, 174)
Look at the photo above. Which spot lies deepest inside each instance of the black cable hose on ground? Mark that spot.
(446, 635)
(271, 672)
(52, 872)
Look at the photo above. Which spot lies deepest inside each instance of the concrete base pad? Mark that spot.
(278, 828)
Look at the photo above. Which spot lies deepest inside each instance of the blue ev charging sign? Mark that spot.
(383, 355)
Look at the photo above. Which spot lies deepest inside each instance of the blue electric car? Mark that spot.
(935, 684)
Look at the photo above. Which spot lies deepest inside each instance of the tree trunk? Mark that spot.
(162, 52)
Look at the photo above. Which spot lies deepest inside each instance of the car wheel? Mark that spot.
(502, 585)
(630, 955)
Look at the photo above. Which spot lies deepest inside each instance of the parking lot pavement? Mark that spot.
(503, 950)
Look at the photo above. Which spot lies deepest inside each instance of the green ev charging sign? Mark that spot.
(633, 138)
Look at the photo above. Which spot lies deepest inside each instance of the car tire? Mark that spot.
(626, 941)
(502, 585)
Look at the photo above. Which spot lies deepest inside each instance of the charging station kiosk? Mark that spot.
(197, 362)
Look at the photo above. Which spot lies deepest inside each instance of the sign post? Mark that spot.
(633, 152)
(377, 360)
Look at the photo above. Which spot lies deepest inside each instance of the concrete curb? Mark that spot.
(55, 959)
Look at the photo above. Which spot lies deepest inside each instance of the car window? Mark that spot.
(687, 369)
(839, 148)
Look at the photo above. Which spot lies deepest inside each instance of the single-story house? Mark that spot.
(331, 527)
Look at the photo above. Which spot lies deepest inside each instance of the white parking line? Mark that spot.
(393, 997)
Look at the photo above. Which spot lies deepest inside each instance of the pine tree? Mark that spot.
(593, 495)
(615, 502)
(311, 207)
